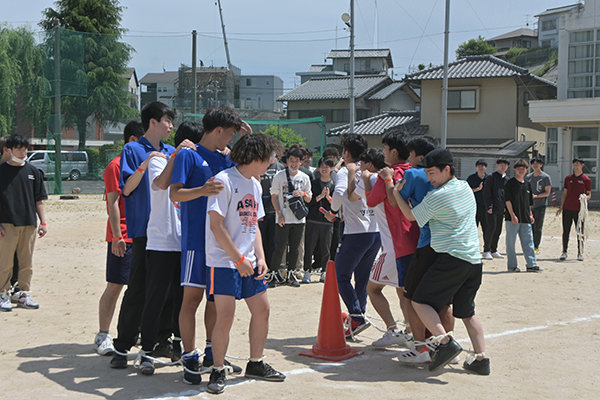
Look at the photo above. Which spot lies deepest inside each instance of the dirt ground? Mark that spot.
(543, 331)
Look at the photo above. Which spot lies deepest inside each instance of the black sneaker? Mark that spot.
(176, 354)
(146, 366)
(207, 366)
(163, 349)
(535, 269)
(274, 279)
(262, 370)
(191, 371)
(216, 382)
(443, 354)
(118, 361)
(481, 367)
(292, 280)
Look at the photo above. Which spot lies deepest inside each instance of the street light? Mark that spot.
(349, 21)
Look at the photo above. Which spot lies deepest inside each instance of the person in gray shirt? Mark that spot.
(541, 185)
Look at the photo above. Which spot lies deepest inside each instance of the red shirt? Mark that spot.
(576, 185)
(111, 184)
(405, 233)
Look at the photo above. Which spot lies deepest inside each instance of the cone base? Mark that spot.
(331, 355)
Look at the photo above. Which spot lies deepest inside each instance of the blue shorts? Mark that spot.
(402, 264)
(193, 269)
(117, 268)
(229, 282)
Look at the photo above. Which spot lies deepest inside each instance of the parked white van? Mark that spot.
(73, 164)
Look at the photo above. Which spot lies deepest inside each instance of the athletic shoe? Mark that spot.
(15, 293)
(392, 338)
(208, 363)
(262, 370)
(146, 366)
(487, 255)
(497, 255)
(481, 367)
(292, 280)
(275, 279)
(118, 361)
(163, 349)
(191, 369)
(537, 251)
(216, 382)
(414, 357)
(443, 354)
(355, 328)
(579, 257)
(5, 302)
(563, 256)
(25, 301)
(176, 354)
(306, 278)
(535, 269)
(104, 344)
(322, 278)
(515, 269)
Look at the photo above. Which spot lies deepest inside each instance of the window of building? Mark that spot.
(552, 146)
(584, 64)
(526, 97)
(248, 81)
(549, 25)
(462, 99)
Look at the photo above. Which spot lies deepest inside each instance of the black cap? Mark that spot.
(437, 158)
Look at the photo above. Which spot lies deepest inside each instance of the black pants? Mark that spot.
(163, 295)
(15, 276)
(317, 240)
(287, 235)
(493, 231)
(538, 215)
(267, 233)
(480, 219)
(569, 217)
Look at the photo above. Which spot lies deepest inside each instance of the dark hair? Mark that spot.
(309, 152)
(326, 161)
(330, 152)
(295, 151)
(16, 141)
(155, 110)
(133, 128)
(502, 161)
(2, 144)
(354, 144)
(396, 140)
(441, 168)
(521, 163)
(221, 116)
(537, 160)
(480, 162)
(422, 145)
(579, 160)
(375, 157)
(254, 147)
(190, 130)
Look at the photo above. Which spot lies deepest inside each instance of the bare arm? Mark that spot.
(513, 216)
(403, 205)
(563, 197)
(210, 188)
(387, 174)
(39, 209)
(134, 180)
(275, 202)
(217, 226)
(164, 179)
(118, 247)
(546, 193)
(259, 252)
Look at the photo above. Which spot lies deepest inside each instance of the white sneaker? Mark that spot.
(563, 256)
(306, 277)
(497, 255)
(25, 301)
(5, 302)
(392, 338)
(579, 257)
(487, 255)
(414, 357)
(104, 344)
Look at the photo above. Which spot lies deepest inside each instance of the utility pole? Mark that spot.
(57, 114)
(349, 21)
(224, 35)
(194, 75)
(444, 130)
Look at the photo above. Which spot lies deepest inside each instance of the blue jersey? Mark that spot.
(137, 204)
(415, 189)
(193, 169)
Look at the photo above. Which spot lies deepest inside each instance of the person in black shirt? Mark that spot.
(21, 193)
(519, 217)
(4, 157)
(319, 225)
(493, 197)
(476, 182)
(267, 224)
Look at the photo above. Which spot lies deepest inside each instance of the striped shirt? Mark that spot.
(450, 211)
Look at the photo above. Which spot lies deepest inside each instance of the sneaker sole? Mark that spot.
(215, 391)
(27, 307)
(105, 352)
(147, 371)
(450, 359)
(358, 330)
(263, 378)
(187, 382)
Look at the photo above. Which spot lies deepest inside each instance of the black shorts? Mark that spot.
(450, 279)
(419, 264)
(117, 268)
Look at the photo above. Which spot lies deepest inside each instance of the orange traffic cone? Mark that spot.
(331, 341)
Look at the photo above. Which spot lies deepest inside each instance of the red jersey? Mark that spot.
(111, 184)
(575, 186)
(405, 233)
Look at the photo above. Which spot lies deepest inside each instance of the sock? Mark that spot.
(255, 359)
(208, 350)
(190, 355)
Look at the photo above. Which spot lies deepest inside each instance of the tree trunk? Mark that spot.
(82, 127)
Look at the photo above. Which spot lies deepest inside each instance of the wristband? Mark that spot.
(367, 192)
(174, 154)
(241, 261)
(141, 170)
(388, 180)
(43, 223)
(116, 239)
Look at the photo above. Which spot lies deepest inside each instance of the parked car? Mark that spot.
(73, 164)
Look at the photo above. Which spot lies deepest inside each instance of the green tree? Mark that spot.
(105, 61)
(475, 47)
(287, 136)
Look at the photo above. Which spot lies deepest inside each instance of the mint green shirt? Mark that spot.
(450, 211)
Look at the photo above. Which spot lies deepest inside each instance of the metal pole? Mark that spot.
(352, 106)
(194, 76)
(57, 112)
(444, 127)
(224, 35)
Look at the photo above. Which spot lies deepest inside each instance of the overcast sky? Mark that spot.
(282, 37)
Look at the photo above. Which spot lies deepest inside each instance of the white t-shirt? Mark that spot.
(164, 224)
(279, 186)
(240, 202)
(358, 217)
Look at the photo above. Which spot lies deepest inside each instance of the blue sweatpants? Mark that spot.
(355, 256)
